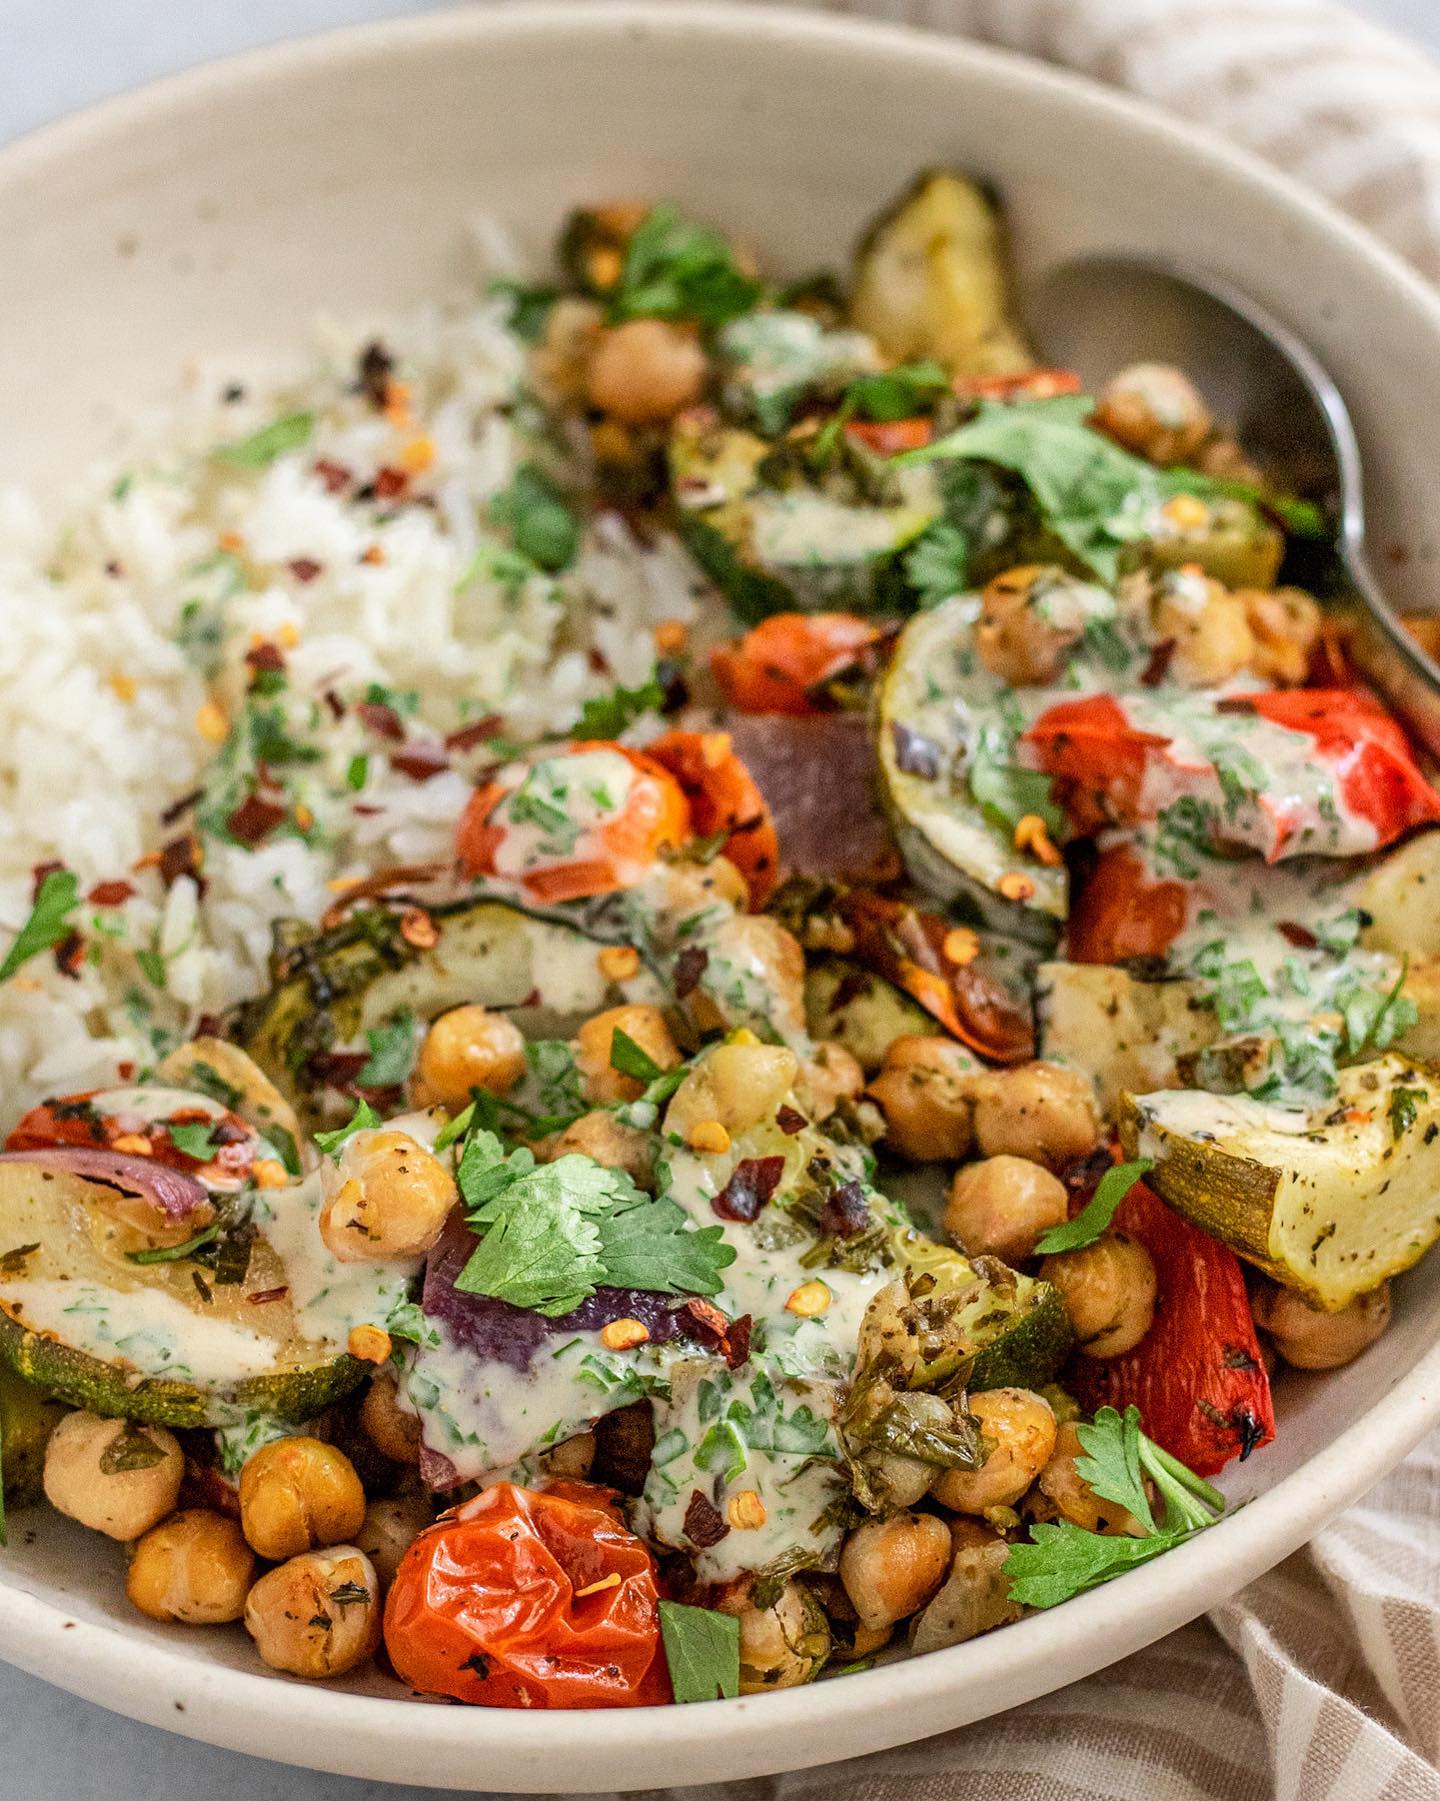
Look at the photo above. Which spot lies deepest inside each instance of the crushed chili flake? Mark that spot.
(705, 1525)
(376, 367)
(335, 1069)
(736, 1342)
(110, 894)
(254, 819)
(690, 965)
(69, 955)
(467, 737)
(1300, 936)
(181, 856)
(417, 928)
(790, 1120)
(383, 720)
(751, 1185)
(334, 476)
(390, 483)
(305, 569)
(1158, 665)
(334, 703)
(177, 808)
(846, 1211)
(421, 761)
(264, 655)
(38, 873)
(263, 1296)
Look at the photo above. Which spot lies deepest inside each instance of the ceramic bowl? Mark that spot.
(215, 214)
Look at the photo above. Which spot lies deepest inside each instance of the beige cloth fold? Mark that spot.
(1320, 1682)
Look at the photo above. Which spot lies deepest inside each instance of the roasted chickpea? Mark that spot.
(734, 1086)
(1021, 1425)
(1309, 1339)
(388, 1197)
(296, 1493)
(892, 1567)
(1285, 626)
(1072, 1497)
(831, 1074)
(194, 1567)
(317, 1615)
(392, 1524)
(560, 362)
(593, 1045)
(976, 1594)
(1000, 1207)
(601, 1136)
(1109, 1292)
(1031, 618)
(471, 1047)
(924, 1089)
(1036, 1110)
(646, 371)
(783, 1645)
(391, 1426)
(1206, 623)
(1156, 411)
(768, 960)
(114, 1476)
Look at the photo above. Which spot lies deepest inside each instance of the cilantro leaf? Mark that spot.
(363, 1119)
(1301, 518)
(702, 1650)
(676, 269)
(1099, 1210)
(651, 1245)
(628, 1059)
(262, 447)
(1004, 790)
(937, 564)
(1064, 1560)
(49, 921)
(898, 392)
(1092, 493)
(529, 306)
(607, 715)
(392, 1053)
(195, 1138)
(542, 526)
(407, 1320)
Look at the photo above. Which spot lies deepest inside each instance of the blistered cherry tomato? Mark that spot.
(723, 797)
(780, 665)
(529, 1599)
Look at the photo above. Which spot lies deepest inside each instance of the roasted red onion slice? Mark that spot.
(174, 1195)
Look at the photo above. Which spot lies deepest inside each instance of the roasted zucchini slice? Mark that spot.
(27, 1418)
(333, 987)
(1331, 1200)
(951, 848)
(1400, 898)
(776, 545)
(859, 1009)
(932, 279)
(81, 1321)
(1236, 545)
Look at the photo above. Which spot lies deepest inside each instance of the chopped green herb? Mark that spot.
(607, 715)
(702, 1650)
(629, 1059)
(675, 269)
(357, 772)
(132, 1448)
(261, 448)
(529, 306)
(363, 1119)
(543, 528)
(392, 1053)
(937, 564)
(49, 921)
(152, 966)
(1095, 1217)
(195, 1138)
(1404, 1105)
(1005, 791)
(173, 1253)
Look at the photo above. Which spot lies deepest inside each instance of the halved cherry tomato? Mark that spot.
(888, 437)
(1029, 384)
(1196, 1376)
(723, 797)
(1120, 911)
(530, 1599)
(1097, 759)
(778, 666)
(614, 852)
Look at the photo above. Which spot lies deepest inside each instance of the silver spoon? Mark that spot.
(1097, 314)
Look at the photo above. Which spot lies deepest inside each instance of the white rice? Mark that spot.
(99, 702)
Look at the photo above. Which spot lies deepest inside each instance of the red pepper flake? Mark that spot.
(598, 661)
(736, 1345)
(390, 484)
(751, 1185)
(125, 1070)
(705, 1525)
(1158, 666)
(421, 761)
(417, 928)
(846, 1211)
(334, 703)
(69, 955)
(265, 656)
(263, 1296)
(38, 874)
(336, 1069)
(1300, 936)
(690, 965)
(383, 720)
(376, 367)
(254, 819)
(704, 1321)
(110, 894)
(181, 856)
(467, 737)
(790, 1120)
(177, 808)
(305, 569)
(335, 476)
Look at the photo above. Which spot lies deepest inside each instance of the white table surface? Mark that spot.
(55, 56)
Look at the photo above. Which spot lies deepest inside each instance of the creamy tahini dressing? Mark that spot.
(558, 808)
(146, 1327)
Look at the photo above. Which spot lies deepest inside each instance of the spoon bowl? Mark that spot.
(1096, 314)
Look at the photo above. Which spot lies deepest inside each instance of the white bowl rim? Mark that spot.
(330, 1729)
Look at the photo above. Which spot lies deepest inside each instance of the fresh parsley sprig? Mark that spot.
(363, 1119)
(1065, 1560)
(676, 269)
(1097, 1213)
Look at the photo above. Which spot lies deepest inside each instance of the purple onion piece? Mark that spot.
(170, 1191)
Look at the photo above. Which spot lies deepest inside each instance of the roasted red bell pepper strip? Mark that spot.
(1196, 1376)
(1029, 384)
(782, 664)
(723, 797)
(888, 437)
(1121, 911)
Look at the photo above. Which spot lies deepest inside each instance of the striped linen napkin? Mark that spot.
(1321, 1681)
